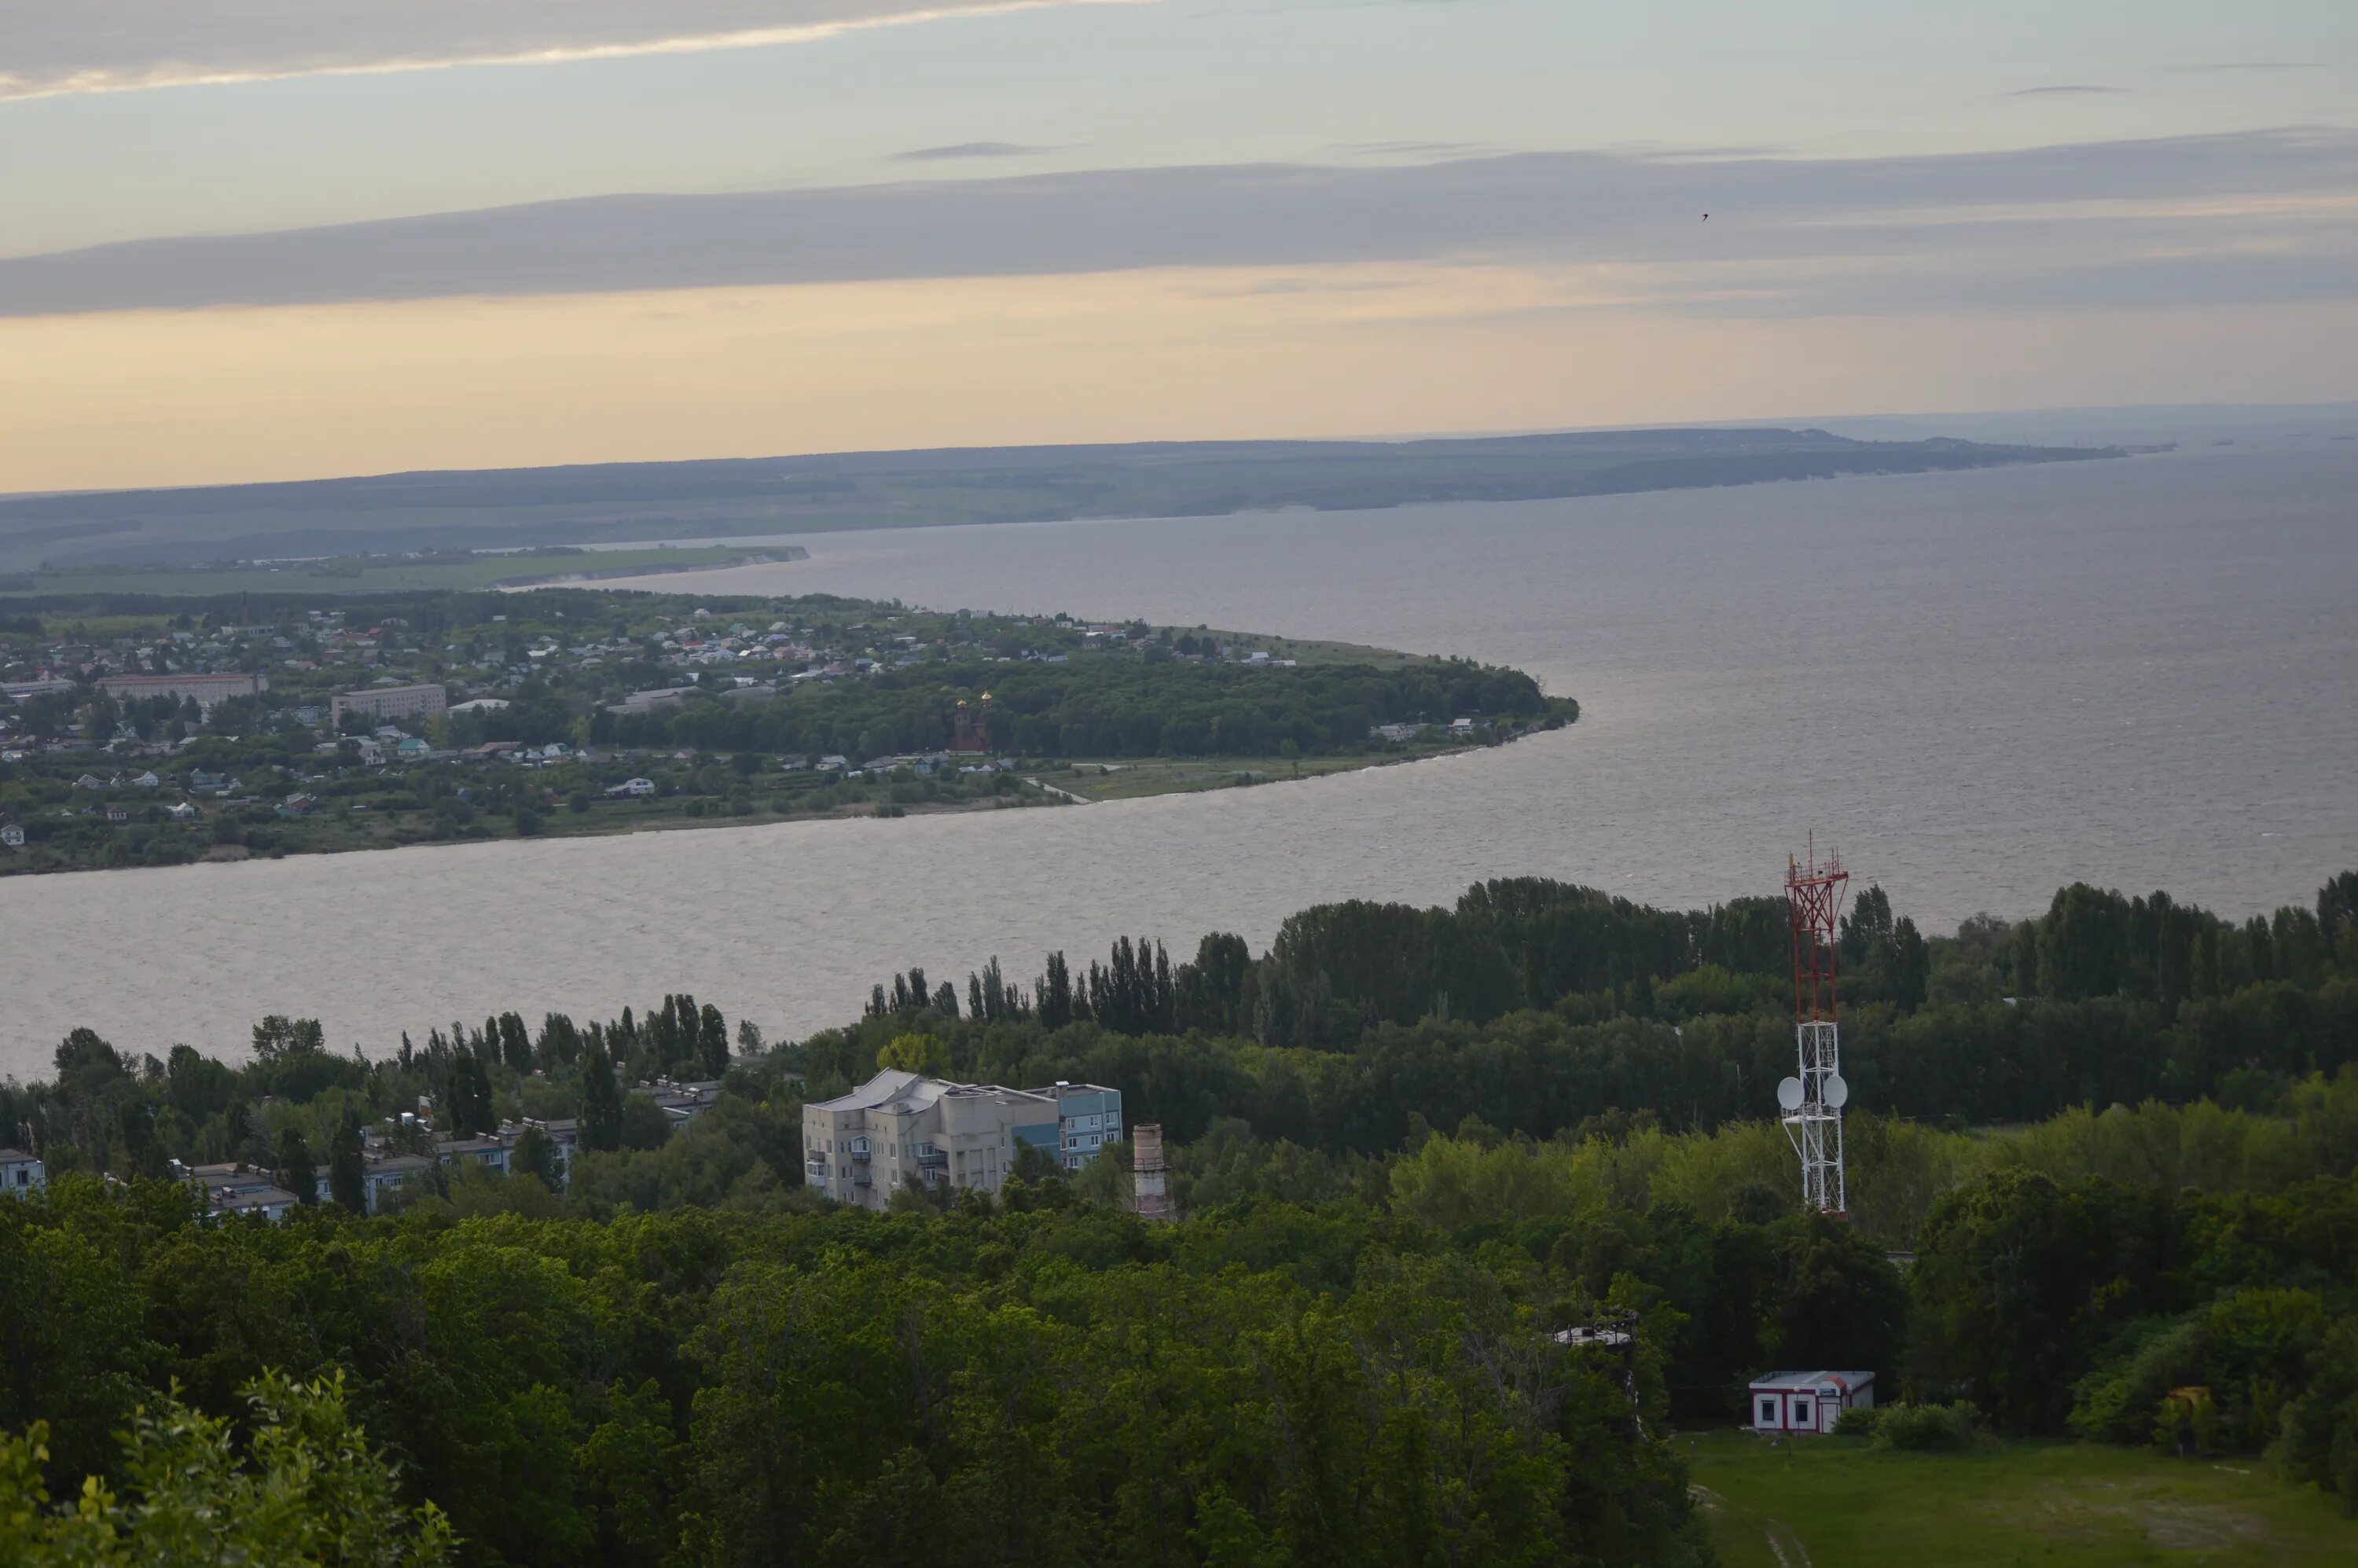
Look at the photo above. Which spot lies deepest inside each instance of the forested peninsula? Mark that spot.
(2099, 1158)
(148, 730)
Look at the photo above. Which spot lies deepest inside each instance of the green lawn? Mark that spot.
(1834, 1503)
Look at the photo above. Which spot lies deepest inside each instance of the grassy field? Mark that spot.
(1834, 1503)
(1138, 777)
(372, 574)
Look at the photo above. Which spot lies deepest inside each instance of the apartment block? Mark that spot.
(207, 689)
(390, 702)
(902, 1129)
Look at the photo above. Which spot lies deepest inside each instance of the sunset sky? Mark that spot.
(249, 239)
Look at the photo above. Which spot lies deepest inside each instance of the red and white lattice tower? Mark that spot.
(1813, 1101)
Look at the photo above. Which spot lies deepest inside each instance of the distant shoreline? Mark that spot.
(778, 555)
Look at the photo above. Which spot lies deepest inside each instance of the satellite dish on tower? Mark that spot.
(1836, 1092)
(1789, 1094)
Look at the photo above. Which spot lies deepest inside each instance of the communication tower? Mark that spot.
(1813, 1101)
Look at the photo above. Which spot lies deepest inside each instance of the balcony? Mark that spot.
(928, 1156)
(815, 1169)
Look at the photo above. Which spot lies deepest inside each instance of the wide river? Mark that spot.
(1979, 685)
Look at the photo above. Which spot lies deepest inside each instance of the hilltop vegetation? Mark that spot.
(1409, 1144)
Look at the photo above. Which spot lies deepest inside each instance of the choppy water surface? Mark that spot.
(2143, 672)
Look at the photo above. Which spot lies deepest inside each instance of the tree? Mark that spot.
(2021, 1279)
(515, 1043)
(1838, 1301)
(601, 1102)
(277, 1037)
(711, 1042)
(469, 1112)
(308, 1490)
(1053, 994)
(296, 1172)
(920, 1054)
(347, 1173)
(643, 1124)
(535, 1154)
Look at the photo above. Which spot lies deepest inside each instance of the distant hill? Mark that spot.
(509, 508)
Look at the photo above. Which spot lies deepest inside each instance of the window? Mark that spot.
(1805, 1413)
(1767, 1412)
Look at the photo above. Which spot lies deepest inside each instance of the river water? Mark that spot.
(2142, 672)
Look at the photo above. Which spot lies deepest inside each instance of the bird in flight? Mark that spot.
(1706, 217)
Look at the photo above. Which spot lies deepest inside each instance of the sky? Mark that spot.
(258, 239)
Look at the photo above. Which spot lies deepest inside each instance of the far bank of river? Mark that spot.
(1978, 686)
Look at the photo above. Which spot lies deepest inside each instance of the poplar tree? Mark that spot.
(601, 1102)
(347, 1176)
(296, 1172)
(712, 1042)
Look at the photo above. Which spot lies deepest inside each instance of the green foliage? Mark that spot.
(1858, 1421)
(2252, 1350)
(308, 1490)
(2316, 1439)
(689, 1355)
(1926, 1428)
(643, 1124)
(915, 1054)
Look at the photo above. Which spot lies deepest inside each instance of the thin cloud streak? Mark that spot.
(123, 46)
(1787, 234)
(956, 150)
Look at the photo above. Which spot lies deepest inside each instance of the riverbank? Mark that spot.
(2017, 669)
(395, 817)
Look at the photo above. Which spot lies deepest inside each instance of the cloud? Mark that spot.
(966, 150)
(106, 46)
(2065, 89)
(2225, 219)
(2256, 65)
(1429, 150)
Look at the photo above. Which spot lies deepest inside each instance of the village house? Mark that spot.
(1808, 1403)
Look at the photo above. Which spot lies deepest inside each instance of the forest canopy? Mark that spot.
(1409, 1146)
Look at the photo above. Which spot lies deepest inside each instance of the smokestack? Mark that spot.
(1149, 1177)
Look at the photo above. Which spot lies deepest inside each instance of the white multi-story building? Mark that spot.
(21, 1172)
(390, 702)
(902, 1129)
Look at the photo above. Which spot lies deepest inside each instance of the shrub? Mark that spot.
(1926, 1428)
(528, 821)
(1859, 1420)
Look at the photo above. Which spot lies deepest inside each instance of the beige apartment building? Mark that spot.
(901, 1128)
(389, 702)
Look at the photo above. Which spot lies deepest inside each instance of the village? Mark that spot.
(174, 736)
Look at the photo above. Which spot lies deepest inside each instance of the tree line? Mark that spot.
(1096, 705)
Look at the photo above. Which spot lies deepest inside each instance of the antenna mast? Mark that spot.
(1813, 1101)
